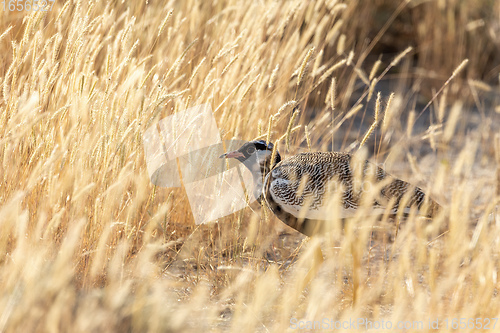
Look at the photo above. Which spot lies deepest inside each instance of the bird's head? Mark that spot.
(255, 153)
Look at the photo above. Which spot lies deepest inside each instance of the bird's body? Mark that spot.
(303, 190)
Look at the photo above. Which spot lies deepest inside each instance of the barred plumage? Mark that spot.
(299, 190)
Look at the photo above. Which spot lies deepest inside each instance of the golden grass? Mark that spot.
(87, 243)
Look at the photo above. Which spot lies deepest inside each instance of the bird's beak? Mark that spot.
(232, 154)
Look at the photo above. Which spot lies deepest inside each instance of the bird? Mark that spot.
(299, 189)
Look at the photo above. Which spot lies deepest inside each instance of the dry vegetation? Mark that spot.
(87, 244)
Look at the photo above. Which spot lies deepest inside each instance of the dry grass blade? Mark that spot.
(288, 104)
(375, 121)
(272, 78)
(497, 157)
(374, 69)
(305, 64)
(164, 22)
(457, 70)
(2, 36)
(308, 137)
(290, 126)
(332, 94)
(388, 113)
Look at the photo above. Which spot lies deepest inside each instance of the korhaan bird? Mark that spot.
(300, 189)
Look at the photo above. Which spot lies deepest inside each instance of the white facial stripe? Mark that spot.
(262, 155)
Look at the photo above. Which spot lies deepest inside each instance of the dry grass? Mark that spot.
(87, 243)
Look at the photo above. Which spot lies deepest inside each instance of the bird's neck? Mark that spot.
(259, 172)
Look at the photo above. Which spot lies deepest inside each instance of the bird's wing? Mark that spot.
(305, 185)
(311, 185)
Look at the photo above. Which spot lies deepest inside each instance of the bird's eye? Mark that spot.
(250, 150)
